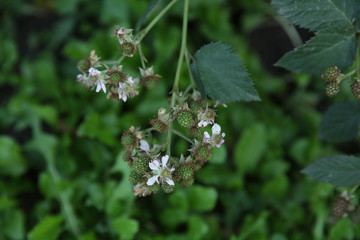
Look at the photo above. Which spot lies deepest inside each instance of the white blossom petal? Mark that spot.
(94, 72)
(164, 160)
(103, 87)
(154, 165)
(170, 181)
(144, 146)
(98, 87)
(152, 180)
(216, 129)
(206, 137)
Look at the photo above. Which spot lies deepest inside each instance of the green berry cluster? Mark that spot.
(355, 89)
(332, 78)
(185, 118)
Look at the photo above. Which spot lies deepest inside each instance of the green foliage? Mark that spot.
(48, 228)
(341, 122)
(125, 228)
(220, 74)
(330, 47)
(334, 43)
(12, 162)
(321, 14)
(341, 171)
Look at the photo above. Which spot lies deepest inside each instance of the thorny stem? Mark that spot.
(348, 74)
(187, 58)
(182, 135)
(143, 33)
(175, 89)
(142, 57)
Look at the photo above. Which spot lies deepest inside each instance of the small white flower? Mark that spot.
(147, 72)
(144, 146)
(161, 172)
(93, 72)
(101, 85)
(128, 88)
(217, 137)
(206, 117)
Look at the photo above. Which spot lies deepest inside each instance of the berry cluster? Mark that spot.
(344, 206)
(150, 168)
(332, 77)
(189, 116)
(113, 80)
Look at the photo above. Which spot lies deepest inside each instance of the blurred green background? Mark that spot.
(61, 173)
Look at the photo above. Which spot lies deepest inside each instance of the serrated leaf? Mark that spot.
(341, 171)
(49, 228)
(340, 122)
(223, 75)
(319, 14)
(150, 8)
(330, 47)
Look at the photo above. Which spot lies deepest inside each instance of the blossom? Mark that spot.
(98, 79)
(206, 117)
(161, 172)
(144, 146)
(217, 137)
(127, 89)
(147, 72)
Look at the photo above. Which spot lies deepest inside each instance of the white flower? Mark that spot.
(206, 117)
(144, 146)
(160, 171)
(217, 137)
(97, 77)
(93, 72)
(147, 72)
(128, 88)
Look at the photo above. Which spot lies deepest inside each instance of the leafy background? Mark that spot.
(61, 176)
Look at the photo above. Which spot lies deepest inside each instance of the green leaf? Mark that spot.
(197, 228)
(49, 228)
(149, 10)
(125, 228)
(330, 47)
(250, 148)
(340, 122)
(14, 224)
(12, 162)
(319, 14)
(341, 171)
(202, 199)
(222, 74)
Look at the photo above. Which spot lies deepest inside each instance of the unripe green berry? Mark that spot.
(149, 81)
(158, 125)
(197, 132)
(127, 157)
(331, 74)
(135, 177)
(204, 152)
(185, 118)
(340, 206)
(185, 172)
(141, 165)
(129, 139)
(84, 65)
(155, 187)
(128, 49)
(355, 89)
(188, 183)
(167, 188)
(115, 77)
(195, 106)
(332, 89)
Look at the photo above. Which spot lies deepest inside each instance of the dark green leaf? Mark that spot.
(202, 199)
(49, 228)
(340, 122)
(319, 14)
(12, 162)
(125, 228)
(149, 10)
(330, 47)
(197, 228)
(341, 171)
(223, 75)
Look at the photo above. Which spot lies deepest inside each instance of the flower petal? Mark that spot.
(170, 181)
(206, 137)
(164, 160)
(103, 87)
(98, 87)
(216, 129)
(144, 146)
(154, 165)
(152, 180)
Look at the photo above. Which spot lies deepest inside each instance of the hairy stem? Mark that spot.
(142, 57)
(145, 31)
(175, 89)
(180, 134)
